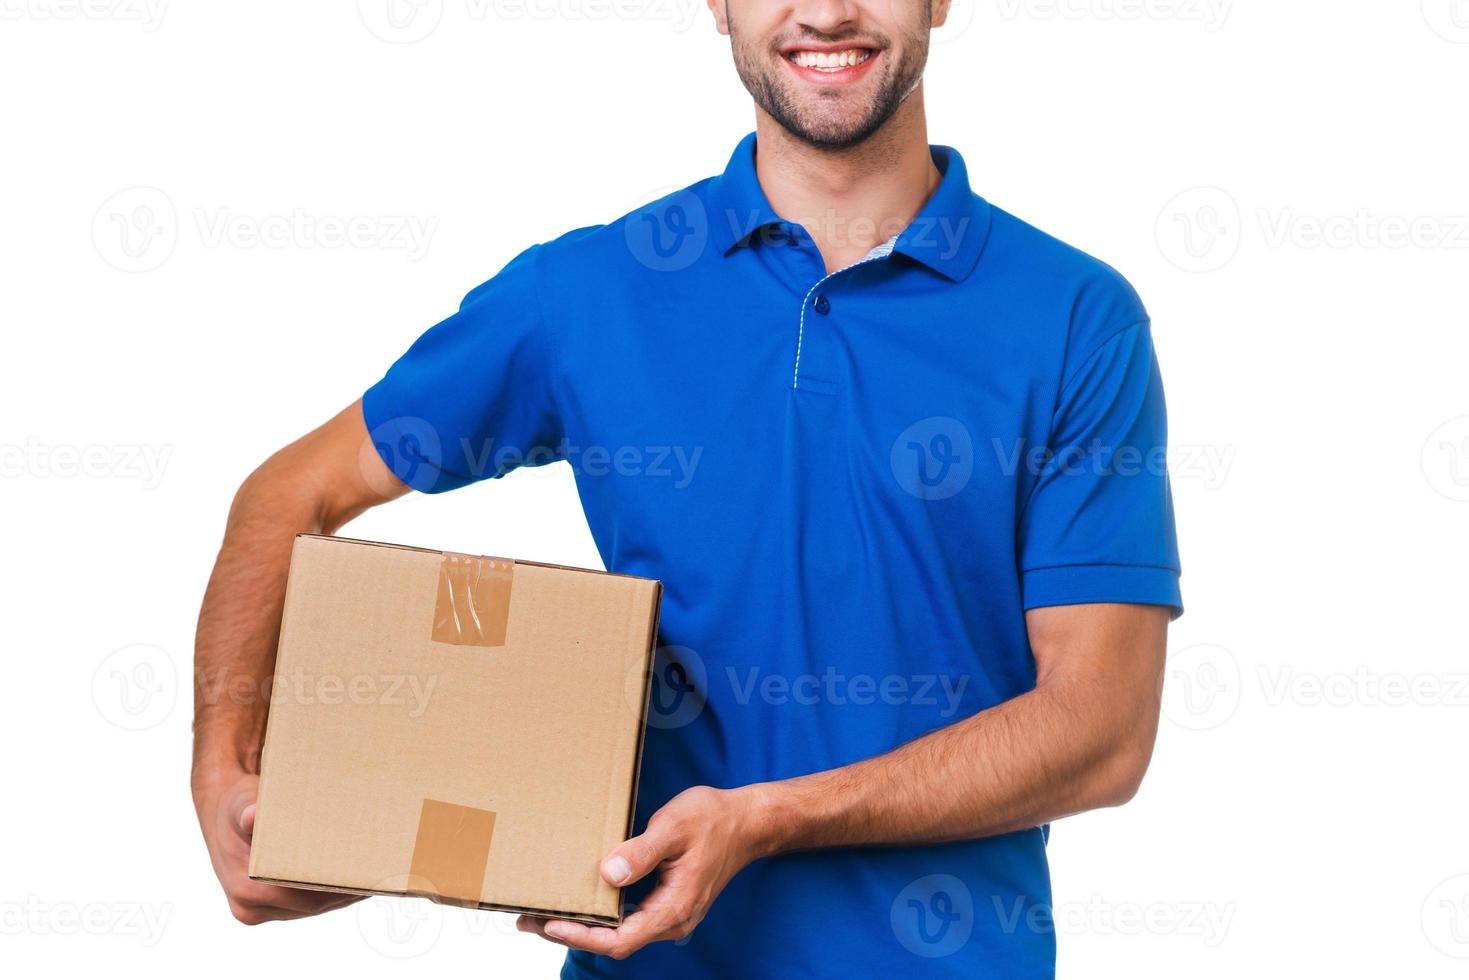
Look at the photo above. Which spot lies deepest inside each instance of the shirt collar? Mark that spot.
(947, 236)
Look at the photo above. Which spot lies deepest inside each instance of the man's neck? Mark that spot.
(849, 200)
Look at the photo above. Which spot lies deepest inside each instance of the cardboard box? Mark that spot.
(461, 728)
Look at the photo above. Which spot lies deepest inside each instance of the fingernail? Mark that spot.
(616, 870)
(556, 930)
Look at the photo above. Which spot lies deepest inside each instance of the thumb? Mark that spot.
(635, 859)
(245, 823)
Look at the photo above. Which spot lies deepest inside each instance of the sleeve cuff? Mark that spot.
(1074, 585)
(407, 445)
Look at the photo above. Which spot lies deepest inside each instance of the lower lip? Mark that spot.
(845, 76)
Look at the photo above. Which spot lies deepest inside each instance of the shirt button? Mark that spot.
(822, 305)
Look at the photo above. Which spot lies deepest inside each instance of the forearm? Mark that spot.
(315, 485)
(1063, 748)
(239, 621)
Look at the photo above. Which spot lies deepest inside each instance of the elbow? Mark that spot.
(1120, 776)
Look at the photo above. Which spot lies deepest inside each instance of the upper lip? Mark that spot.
(827, 47)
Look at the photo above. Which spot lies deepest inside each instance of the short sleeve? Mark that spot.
(1098, 523)
(474, 397)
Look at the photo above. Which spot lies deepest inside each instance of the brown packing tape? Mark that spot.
(451, 852)
(473, 601)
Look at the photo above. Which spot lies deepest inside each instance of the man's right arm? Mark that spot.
(315, 485)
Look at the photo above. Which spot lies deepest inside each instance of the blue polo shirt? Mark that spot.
(852, 486)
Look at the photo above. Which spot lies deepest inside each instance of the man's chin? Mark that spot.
(830, 134)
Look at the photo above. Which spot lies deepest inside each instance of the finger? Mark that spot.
(636, 931)
(254, 915)
(635, 859)
(259, 894)
(536, 927)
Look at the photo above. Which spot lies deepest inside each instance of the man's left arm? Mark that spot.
(1081, 739)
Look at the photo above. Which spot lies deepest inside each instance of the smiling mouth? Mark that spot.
(830, 62)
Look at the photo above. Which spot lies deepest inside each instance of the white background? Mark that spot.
(1306, 807)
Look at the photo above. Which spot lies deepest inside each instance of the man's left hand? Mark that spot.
(697, 843)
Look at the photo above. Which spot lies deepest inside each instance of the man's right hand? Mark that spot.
(314, 485)
(226, 808)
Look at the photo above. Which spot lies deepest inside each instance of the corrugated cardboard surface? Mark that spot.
(543, 733)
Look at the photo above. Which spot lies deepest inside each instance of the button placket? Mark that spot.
(822, 305)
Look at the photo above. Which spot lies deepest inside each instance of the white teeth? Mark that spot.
(831, 61)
